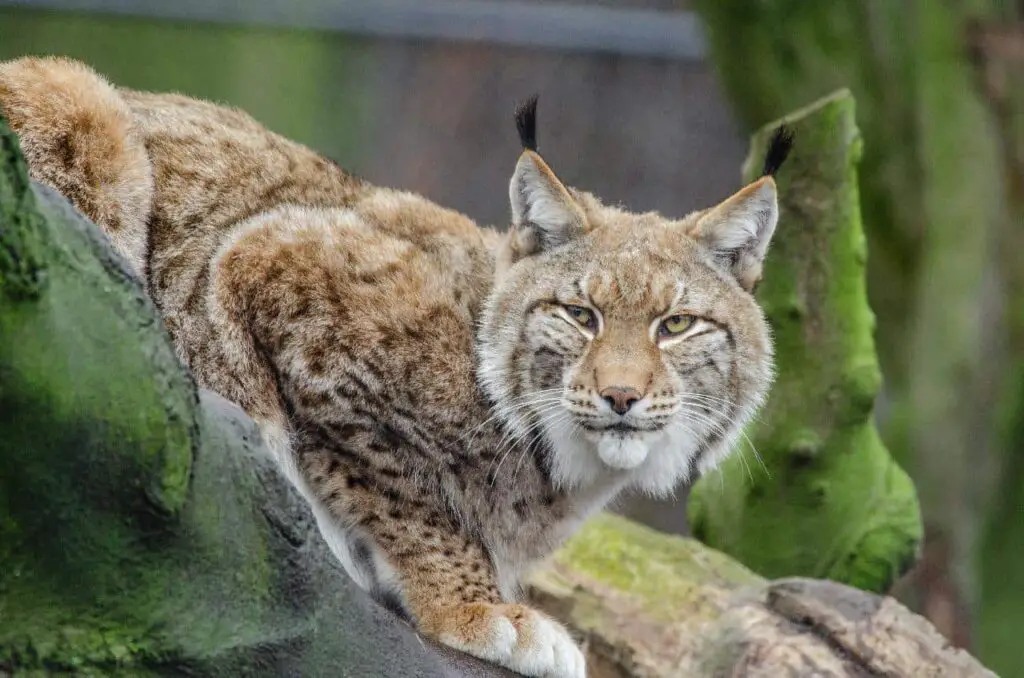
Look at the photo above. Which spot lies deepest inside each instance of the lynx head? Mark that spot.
(630, 342)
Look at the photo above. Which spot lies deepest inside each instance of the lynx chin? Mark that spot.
(452, 400)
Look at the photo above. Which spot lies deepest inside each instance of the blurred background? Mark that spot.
(649, 103)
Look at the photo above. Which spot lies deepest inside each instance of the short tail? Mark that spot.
(76, 132)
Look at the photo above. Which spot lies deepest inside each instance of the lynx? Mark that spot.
(452, 400)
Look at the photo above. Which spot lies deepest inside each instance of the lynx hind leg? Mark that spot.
(76, 132)
(443, 579)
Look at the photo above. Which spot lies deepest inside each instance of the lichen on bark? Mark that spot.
(830, 501)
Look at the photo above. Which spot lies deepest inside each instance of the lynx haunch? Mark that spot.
(452, 400)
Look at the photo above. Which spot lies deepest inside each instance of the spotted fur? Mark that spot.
(452, 400)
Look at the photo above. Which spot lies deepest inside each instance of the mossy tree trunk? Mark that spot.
(833, 504)
(934, 200)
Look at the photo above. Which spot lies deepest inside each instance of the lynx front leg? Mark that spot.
(444, 579)
(449, 587)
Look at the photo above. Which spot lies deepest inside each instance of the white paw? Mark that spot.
(546, 649)
(519, 638)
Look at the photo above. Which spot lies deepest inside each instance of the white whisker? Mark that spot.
(720, 428)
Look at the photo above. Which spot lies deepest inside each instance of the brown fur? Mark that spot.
(418, 377)
(84, 145)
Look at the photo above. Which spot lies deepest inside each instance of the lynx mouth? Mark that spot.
(623, 428)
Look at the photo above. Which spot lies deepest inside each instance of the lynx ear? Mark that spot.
(541, 205)
(739, 229)
(543, 211)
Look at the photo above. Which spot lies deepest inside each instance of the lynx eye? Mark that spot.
(584, 316)
(675, 325)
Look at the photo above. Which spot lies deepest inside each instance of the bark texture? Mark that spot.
(830, 501)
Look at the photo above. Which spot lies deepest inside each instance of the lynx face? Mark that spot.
(630, 341)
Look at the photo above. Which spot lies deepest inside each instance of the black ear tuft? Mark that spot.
(526, 123)
(778, 150)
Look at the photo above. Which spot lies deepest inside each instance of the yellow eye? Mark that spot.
(674, 325)
(584, 316)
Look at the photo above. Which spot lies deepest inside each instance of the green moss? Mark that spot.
(84, 650)
(120, 545)
(661, 570)
(833, 503)
(79, 575)
(21, 271)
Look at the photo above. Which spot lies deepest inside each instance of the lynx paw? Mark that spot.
(514, 636)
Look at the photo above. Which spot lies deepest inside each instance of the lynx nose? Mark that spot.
(620, 398)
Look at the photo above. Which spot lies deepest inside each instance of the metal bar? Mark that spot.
(574, 28)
